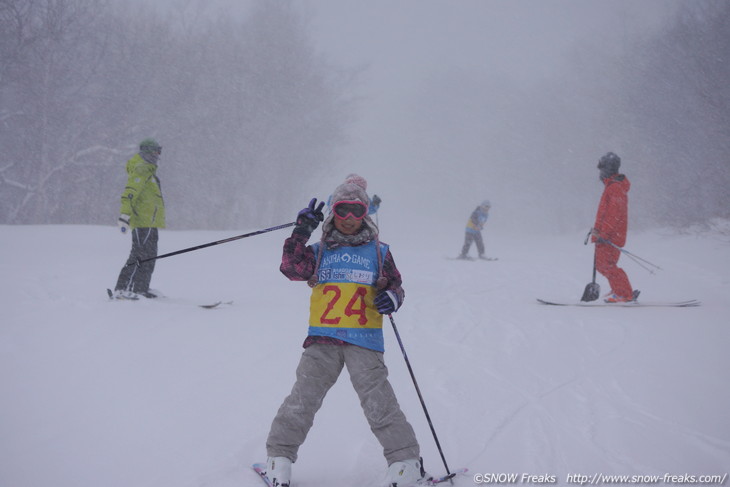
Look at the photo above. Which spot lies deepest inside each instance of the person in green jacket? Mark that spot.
(142, 212)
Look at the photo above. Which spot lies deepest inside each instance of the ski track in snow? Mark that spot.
(166, 394)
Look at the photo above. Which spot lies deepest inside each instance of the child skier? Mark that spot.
(354, 282)
(473, 232)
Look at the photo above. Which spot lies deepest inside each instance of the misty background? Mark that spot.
(261, 105)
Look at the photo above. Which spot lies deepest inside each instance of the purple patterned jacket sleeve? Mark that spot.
(390, 272)
(297, 259)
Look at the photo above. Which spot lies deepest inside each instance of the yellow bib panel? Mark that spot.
(344, 305)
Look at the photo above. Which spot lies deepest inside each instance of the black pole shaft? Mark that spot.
(594, 265)
(218, 242)
(418, 391)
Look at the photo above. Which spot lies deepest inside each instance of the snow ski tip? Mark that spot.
(260, 469)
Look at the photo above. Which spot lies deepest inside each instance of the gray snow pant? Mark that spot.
(318, 370)
(470, 237)
(133, 277)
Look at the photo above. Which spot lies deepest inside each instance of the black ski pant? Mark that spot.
(136, 277)
(470, 237)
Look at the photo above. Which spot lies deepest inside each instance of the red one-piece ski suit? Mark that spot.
(611, 224)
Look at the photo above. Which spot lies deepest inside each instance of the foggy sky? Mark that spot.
(432, 154)
(404, 44)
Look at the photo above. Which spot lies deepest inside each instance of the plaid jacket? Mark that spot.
(298, 263)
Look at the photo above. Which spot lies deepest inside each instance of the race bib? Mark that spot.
(344, 305)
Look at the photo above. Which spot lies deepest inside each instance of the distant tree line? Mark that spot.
(660, 99)
(246, 110)
(662, 102)
(677, 100)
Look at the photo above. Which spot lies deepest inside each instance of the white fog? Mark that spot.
(459, 103)
(261, 105)
(438, 104)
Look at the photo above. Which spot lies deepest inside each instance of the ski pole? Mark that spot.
(634, 257)
(418, 391)
(218, 242)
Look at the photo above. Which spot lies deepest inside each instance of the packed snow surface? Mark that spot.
(163, 393)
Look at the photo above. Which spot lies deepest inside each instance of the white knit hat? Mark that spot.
(353, 189)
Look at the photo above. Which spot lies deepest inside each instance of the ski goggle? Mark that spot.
(345, 209)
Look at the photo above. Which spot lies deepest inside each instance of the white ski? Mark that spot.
(629, 304)
(165, 299)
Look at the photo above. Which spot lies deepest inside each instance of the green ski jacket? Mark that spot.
(142, 197)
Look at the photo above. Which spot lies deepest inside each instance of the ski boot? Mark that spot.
(278, 470)
(407, 473)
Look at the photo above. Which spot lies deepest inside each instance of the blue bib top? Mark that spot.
(342, 303)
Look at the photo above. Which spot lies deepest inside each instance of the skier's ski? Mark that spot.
(214, 305)
(630, 304)
(260, 468)
(472, 259)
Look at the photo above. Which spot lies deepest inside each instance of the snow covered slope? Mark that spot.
(166, 394)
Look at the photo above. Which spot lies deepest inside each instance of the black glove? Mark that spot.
(386, 302)
(376, 200)
(308, 219)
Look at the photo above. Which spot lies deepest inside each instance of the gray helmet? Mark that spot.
(149, 145)
(609, 165)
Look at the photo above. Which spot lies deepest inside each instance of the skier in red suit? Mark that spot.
(610, 227)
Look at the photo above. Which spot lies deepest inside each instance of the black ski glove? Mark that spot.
(308, 219)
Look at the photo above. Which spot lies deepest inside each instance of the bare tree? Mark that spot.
(679, 100)
(52, 59)
(246, 110)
